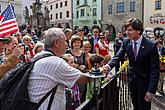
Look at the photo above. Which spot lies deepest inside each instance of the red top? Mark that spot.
(102, 51)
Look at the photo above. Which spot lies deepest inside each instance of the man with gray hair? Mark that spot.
(50, 71)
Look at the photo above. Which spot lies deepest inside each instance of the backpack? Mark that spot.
(13, 88)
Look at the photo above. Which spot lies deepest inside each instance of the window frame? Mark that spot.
(51, 7)
(82, 12)
(56, 5)
(77, 14)
(94, 11)
(120, 7)
(60, 14)
(61, 4)
(56, 15)
(158, 5)
(66, 3)
(132, 6)
(110, 7)
(67, 14)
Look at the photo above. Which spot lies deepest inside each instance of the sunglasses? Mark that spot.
(102, 37)
(96, 32)
(87, 47)
(27, 40)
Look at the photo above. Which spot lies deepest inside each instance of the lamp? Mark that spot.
(95, 80)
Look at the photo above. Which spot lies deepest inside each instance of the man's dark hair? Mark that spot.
(136, 24)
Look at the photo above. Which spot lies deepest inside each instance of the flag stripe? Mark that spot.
(9, 32)
(4, 24)
(7, 27)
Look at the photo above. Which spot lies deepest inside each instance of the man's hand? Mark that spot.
(18, 51)
(149, 97)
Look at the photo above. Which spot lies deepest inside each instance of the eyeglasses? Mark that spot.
(102, 37)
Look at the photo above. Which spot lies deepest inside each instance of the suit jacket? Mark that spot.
(146, 67)
(91, 40)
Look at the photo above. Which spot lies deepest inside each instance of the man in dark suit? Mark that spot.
(143, 65)
(93, 40)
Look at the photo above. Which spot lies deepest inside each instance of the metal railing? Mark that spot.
(114, 94)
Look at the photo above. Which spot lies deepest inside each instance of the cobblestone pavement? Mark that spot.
(159, 103)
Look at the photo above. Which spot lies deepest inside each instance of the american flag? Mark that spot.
(8, 22)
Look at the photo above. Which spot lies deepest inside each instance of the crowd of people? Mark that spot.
(74, 54)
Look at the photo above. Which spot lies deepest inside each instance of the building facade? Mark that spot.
(17, 4)
(116, 12)
(154, 13)
(86, 13)
(60, 13)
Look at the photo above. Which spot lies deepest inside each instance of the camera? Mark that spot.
(159, 32)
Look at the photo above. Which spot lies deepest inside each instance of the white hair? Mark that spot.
(52, 34)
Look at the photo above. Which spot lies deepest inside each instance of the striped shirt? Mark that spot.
(47, 73)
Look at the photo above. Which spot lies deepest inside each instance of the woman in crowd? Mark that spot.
(78, 54)
(102, 47)
(73, 94)
(28, 48)
(79, 57)
(86, 48)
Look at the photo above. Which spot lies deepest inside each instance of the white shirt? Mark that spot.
(47, 73)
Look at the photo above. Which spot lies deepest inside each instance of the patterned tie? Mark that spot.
(135, 50)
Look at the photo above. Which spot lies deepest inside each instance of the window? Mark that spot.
(78, 2)
(85, 1)
(60, 14)
(132, 6)
(157, 4)
(77, 14)
(94, 22)
(94, 12)
(51, 16)
(67, 14)
(56, 15)
(66, 3)
(109, 9)
(56, 5)
(82, 12)
(60, 4)
(45, 7)
(51, 7)
(120, 7)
